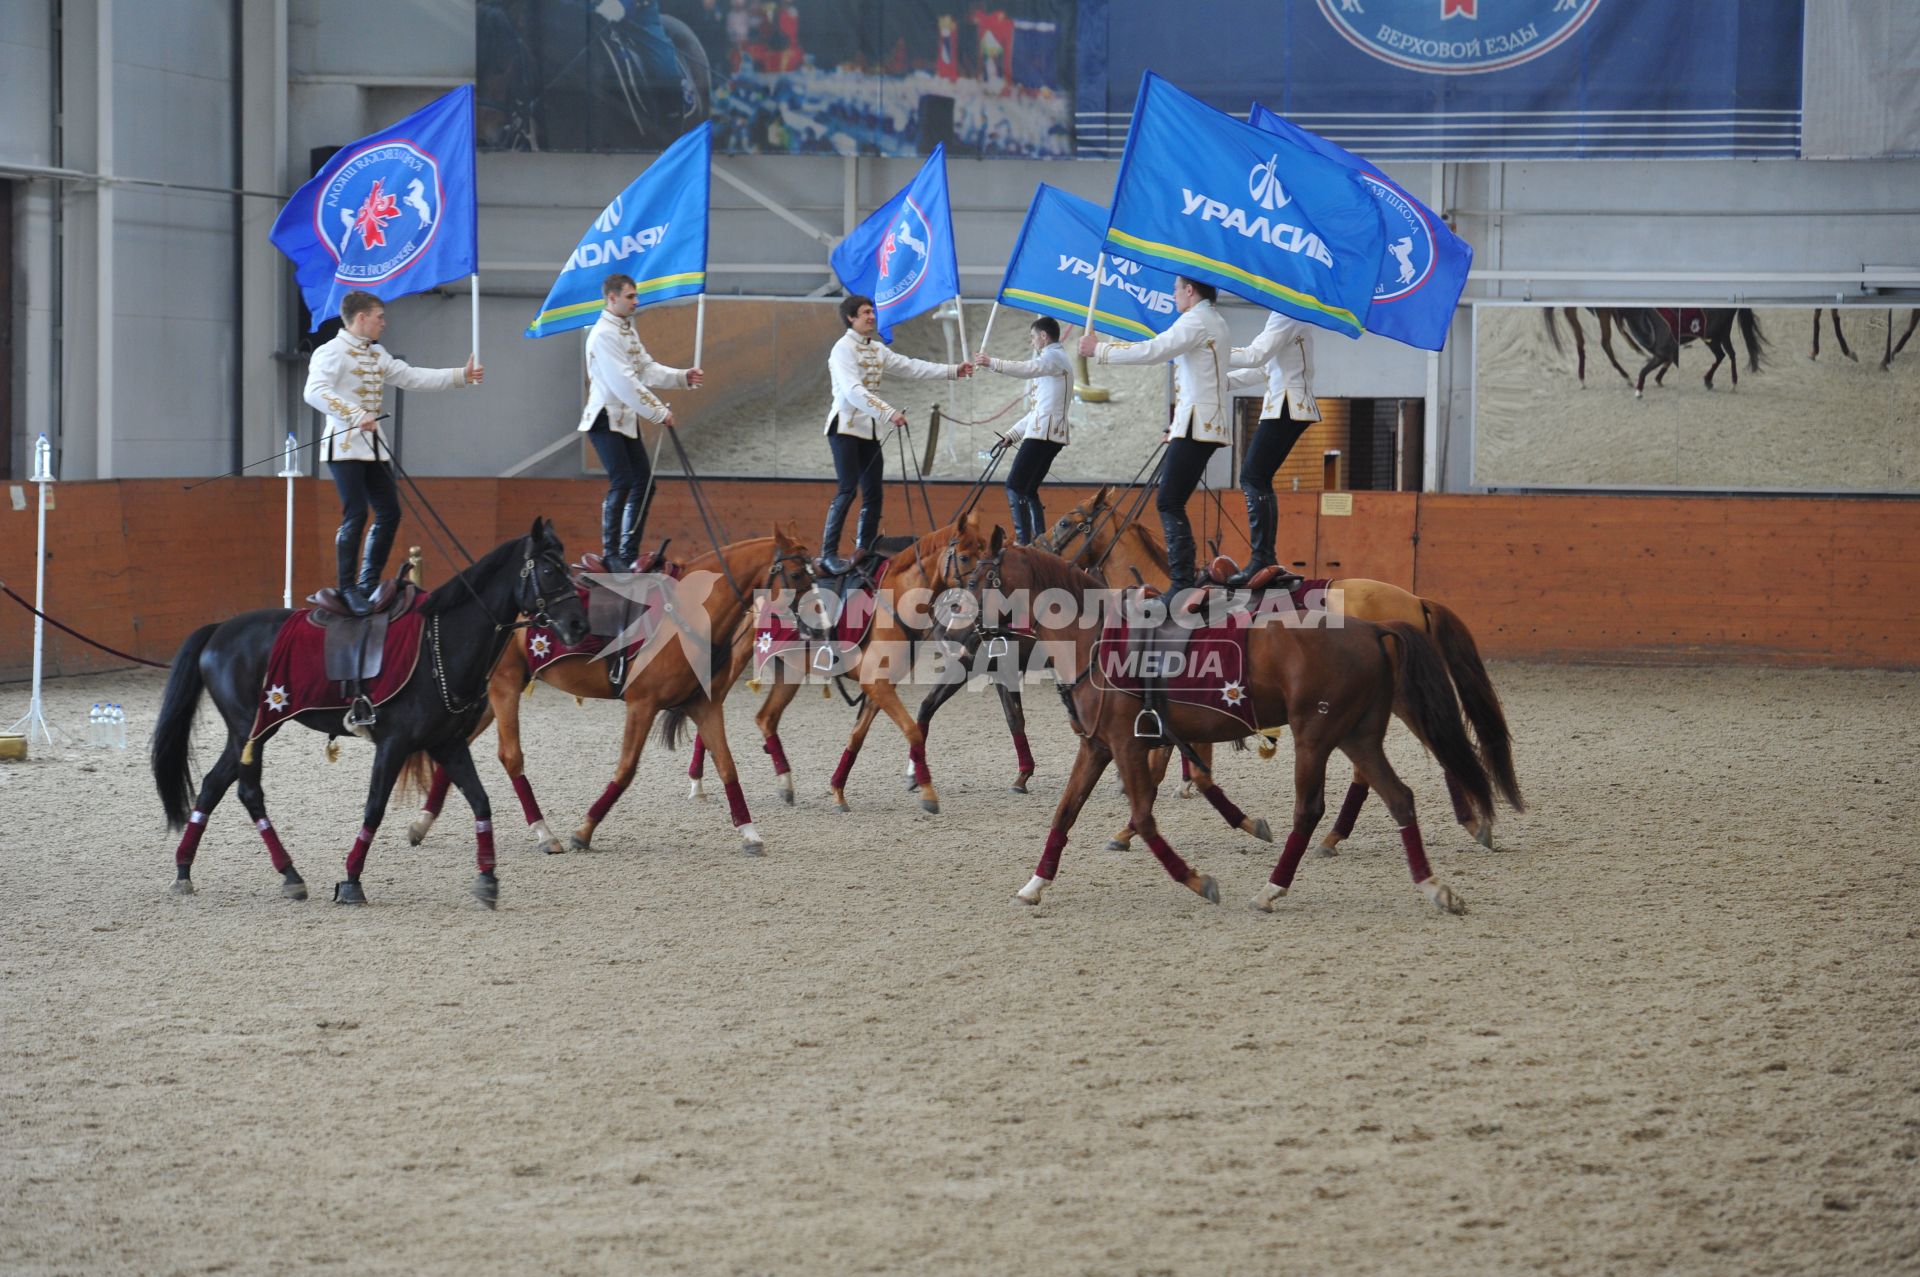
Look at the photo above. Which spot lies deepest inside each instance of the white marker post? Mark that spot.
(289, 470)
(36, 715)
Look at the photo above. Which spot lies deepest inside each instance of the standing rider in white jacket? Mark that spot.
(1042, 433)
(347, 382)
(1280, 359)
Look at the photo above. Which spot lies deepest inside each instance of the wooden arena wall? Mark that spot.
(137, 564)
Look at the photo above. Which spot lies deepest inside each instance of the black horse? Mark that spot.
(1655, 332)
(467, 623)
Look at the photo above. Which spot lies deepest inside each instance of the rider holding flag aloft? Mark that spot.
(1042, 433)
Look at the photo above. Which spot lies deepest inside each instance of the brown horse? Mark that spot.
(662, 679)
(1335, 687)
(902, 622)
(1653, 331)
(1608, 321)
(1092, 537)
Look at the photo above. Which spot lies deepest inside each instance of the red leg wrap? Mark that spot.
(483, 837)
(604, 804)
(275, 852)
(437, 791)
(357, 858)
(1023, 753)
(697, 765)
(1169, 858)
(1416, 853)
(190, 837)
(1050, 858)
(778, 753)
(844, 770)
(1283, 872)
(737, 804)
(1224, 805)
(529, 806)
(1350, 809)
(917, 755)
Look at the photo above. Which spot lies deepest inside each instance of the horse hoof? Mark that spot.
(1441, 897)
(930, 805)
(348, 893)
(1020, 782)
(786, 790)
(696, 791)
(1484, 836)
(486, 889)
(751, 848)
(1210, 890)
(1329, 849)
(293, 887)
(554, 847)
(1030, 894)
(182, 887)
(417, 833)
(578, 843)
(1115, 844)
(1263, 903)
(1262, 830)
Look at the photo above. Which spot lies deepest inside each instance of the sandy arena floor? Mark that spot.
(1676, 1033)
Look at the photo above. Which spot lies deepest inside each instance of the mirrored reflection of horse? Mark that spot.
(1662, 332)
(1093, 537)
(1608, 320)
(1839, 335)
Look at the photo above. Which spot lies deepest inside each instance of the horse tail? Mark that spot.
(1553, 332)
(1477, 697)
(173, 733)
(1425, 698)
(673, 725)
(1756, 342)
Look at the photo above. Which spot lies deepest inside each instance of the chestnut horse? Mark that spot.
(662, 679)
(1335, 687)
(1091, 537)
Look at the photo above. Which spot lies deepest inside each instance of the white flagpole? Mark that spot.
(991, 316)
(289, 470)
(960, 312)
(1093, 298)
(474, 349)
(699, 329)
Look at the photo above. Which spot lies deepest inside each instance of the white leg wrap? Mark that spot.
(1268, 894)
(785, 782)
(697, 790)
(1030, 894)
(751, 836)
(541, 834)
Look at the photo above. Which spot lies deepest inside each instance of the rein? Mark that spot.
(707, 518)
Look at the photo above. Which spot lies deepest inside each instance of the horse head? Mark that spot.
(1077, 524)
(545, 592)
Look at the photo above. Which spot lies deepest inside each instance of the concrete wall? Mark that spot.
(314, 75)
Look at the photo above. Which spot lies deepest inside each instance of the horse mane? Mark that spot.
(451, 594)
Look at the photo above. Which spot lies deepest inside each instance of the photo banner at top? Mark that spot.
(1466, 79)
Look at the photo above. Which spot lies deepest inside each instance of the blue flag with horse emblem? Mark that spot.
(1051, 271)
(391, 214)
(902, 256)
(654, 231)
(1225, 203)
(1426, 264)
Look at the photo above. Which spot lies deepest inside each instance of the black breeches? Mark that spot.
(1186, 461)
(364, 484)
(1272, 441)
(625, 459)
(861, 464)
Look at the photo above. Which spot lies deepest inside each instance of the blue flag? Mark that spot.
(654, 231)
(1051, 271)
(902, 256)
(1222, 202)
(1425, 268)
(391, 214)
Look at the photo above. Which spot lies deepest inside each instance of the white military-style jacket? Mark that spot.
(1049, 391)
(856, 365)
(621, 376)
(1284, 349)
(348, 377)
(1198, 344)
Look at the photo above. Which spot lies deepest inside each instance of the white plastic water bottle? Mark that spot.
(94, 717)
(119, 726)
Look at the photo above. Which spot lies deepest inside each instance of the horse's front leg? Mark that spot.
(881, 694)
(1088, 765)
(1132, 759)
(944, 690)
(641, 709)
(505, 690)
(1202, 777)
(389, 757)
(710, 717)
(457, 759)
(767, 719)
(254, 797)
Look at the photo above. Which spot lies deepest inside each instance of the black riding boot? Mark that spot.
(1036, 520)
(346, 557)
(869, 530)
(830, 560)
(1179, 533)
(379, 542)
(611, 510)
(1263, 511)
(1017, 507)
(633, 526)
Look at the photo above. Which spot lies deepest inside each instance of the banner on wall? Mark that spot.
(1051, 271)
(1468, 79)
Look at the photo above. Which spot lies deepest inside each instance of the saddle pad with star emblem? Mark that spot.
(297, 682)
(777, 631)
(1204, 667)
(636, 610)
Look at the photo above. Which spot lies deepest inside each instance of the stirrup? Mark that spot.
(360, 716)
(1158, 730)
(997, 646)
(824, 658)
